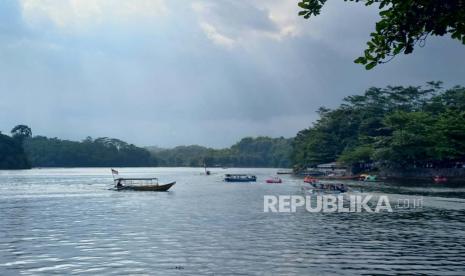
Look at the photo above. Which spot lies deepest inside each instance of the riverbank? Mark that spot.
(419, 174)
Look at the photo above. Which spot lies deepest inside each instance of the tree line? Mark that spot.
(394, 127)
(12, 155)
(248, 152)
(100, 152)
(22, 151)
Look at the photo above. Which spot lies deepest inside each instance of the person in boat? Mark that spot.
(119, 184)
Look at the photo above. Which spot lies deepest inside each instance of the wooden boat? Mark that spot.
(142, 184)
(274, 180)
(240, 178)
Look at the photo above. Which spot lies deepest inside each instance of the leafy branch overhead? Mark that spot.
(403, 25)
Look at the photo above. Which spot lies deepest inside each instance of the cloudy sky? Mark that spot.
(208, 72)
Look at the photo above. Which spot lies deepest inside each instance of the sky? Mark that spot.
(177, 72)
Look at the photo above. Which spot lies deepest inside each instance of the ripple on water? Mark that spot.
(65, 221)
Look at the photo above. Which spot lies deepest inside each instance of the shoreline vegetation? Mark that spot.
(396, 132)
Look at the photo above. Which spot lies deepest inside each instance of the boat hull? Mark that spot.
(147, 188)
(241, 180)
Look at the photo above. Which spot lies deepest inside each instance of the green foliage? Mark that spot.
(403, 25)
(21, 132)
(360, 154)
(12, 154)
(101, 152)
(249, 152)
(394, 127)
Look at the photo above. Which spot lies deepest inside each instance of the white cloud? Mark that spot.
(215, 36)
(231, 23)
(83, 14)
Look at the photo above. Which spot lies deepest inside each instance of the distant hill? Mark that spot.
(249, 152)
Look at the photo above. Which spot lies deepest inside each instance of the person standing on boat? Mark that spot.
(119, 184)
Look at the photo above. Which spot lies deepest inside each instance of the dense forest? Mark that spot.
(393, 127)
(12, 154)
(100, 152)
(249, 152)
(108, 152)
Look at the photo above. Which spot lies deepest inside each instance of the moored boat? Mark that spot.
(340, 177)
(240, 178)
(274, 180)
(439, 179)
(310, 179)
(285, 172)
(368, 178)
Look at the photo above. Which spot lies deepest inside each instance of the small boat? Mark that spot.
(328, 188)
(139, 183)
(368, 178)
(310, 179)
(340, 177)
(240, 178)
(141, 187)
(274, 180)
(285, 172)
(440, 179)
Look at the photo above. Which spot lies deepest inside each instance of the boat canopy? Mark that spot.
(137, 178)
(137, 181)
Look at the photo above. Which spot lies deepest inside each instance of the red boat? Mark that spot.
(311, 180)
(440, 179)
(274, 180)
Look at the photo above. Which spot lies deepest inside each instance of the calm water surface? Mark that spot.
(66, 221)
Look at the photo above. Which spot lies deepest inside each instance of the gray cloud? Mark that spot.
(160, 79)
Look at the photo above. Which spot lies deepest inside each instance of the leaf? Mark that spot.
(361, 60)
(370, 65)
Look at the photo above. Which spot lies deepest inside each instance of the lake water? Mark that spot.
(66, 221)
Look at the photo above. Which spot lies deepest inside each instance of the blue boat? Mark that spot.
(240, 178)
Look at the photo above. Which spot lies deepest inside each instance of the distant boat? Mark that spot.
(240, 178)
(310, 179)
(285, 172)
(368, 178)
(330, 188)
(340, 177)
(274, 180)
(439, 179)
(140, 183)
